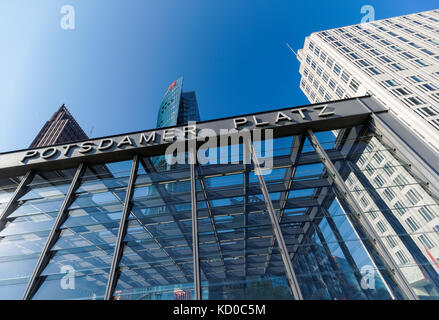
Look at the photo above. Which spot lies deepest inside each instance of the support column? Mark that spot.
(123, 226)
(290, 172)
(195, 245)
(44, 258)
(291, 276)
(373, 240)
(246, 179)
(18, 193)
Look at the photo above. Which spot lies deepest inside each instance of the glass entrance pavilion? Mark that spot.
(347, 209)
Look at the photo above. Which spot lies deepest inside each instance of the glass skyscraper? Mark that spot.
(177, 107)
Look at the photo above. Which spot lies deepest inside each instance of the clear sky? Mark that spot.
(112, 70)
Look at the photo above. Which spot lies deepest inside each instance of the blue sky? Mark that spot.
(113, 69)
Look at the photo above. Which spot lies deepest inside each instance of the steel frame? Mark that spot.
(424, 161)
(123, 226)
(291, 276)
(18, 193)
(370, 232)
(44, 258)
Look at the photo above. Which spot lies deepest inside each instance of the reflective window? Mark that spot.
(25, 233)
(82, 255)
(157, 261)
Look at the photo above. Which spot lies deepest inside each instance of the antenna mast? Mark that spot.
(291, 49)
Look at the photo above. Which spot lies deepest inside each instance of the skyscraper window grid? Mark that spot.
(395, 59)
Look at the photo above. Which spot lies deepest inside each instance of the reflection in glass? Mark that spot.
(157, 261)
(83, 252)
(27, 227)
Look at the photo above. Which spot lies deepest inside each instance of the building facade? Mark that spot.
(397, 61)
(294, 230)
(177, 107)
(61, 128)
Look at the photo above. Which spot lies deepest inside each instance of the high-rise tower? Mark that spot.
(396, 60)
(61, 128)
(177, 107)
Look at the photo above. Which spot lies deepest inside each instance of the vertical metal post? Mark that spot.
(246, 179)
(18, 193)
(123, 226)
(44, 258)
(290, 172)
(372, 236)
(291, 276)
(197, 282)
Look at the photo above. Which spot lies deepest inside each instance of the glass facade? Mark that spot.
(27, 226)
(177, 107)
(87, 238)
(157, 260)
(336, 217)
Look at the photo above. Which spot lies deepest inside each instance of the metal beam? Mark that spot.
(291, 276)
(348, 112)
(165, 197)
(18, 193)
(214, 193)
(352, 145)
(210, 216)
(280, 161)
(246, 180)
(296, 149)
(44, 258)
(162, 247)
(123, 225)
(372, 237)
(195, 245)
(345, 144)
